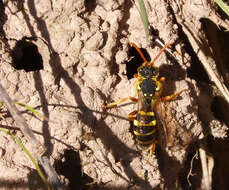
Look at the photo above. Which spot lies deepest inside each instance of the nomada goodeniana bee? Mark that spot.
(148, 89)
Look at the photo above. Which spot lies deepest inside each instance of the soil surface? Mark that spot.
(68, 58)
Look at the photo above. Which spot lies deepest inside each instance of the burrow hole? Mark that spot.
(134, 61)
(25, 55)
(69, 166)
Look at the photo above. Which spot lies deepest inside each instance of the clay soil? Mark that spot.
(68, 58)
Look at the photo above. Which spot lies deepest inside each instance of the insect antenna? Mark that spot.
(138, 50)
(161, 51)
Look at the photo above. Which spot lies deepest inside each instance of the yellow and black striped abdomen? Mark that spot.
(145, 128)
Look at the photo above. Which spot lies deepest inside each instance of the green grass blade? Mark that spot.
(223, 6)
(144, 18)
(18, 141)
(32, 110)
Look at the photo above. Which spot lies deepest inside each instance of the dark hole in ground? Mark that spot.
(135, 61)
(71, 169)
(154, 32)
(220, 109)
(90, 5)
(26, 56)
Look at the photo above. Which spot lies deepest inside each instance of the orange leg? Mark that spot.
(162, 79)
(132, 115)
(152, 148)
(172, 96)
(134, 100)
(135, 75)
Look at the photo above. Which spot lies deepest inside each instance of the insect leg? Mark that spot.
(162, 79)
(132, 115)
(172, 96)
(135, 75)
(134, 100)
(152, 148)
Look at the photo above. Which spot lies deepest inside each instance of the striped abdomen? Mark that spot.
(145, 128)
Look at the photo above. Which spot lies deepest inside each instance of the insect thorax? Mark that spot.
(148, 86)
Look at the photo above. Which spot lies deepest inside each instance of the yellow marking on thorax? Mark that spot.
(159, 86)
(137, 87)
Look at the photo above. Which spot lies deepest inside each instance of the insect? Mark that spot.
(148, 114)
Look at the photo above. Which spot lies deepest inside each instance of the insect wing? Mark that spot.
(162, 116)
(171, 133)
(140, 100)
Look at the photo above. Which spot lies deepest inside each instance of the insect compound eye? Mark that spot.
(149, 71)
(155, 71)
(145, 71)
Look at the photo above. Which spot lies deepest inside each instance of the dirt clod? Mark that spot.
(67, 59)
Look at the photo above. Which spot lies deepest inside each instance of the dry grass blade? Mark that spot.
(39, 148)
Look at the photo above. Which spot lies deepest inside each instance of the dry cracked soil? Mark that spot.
(68, 58)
